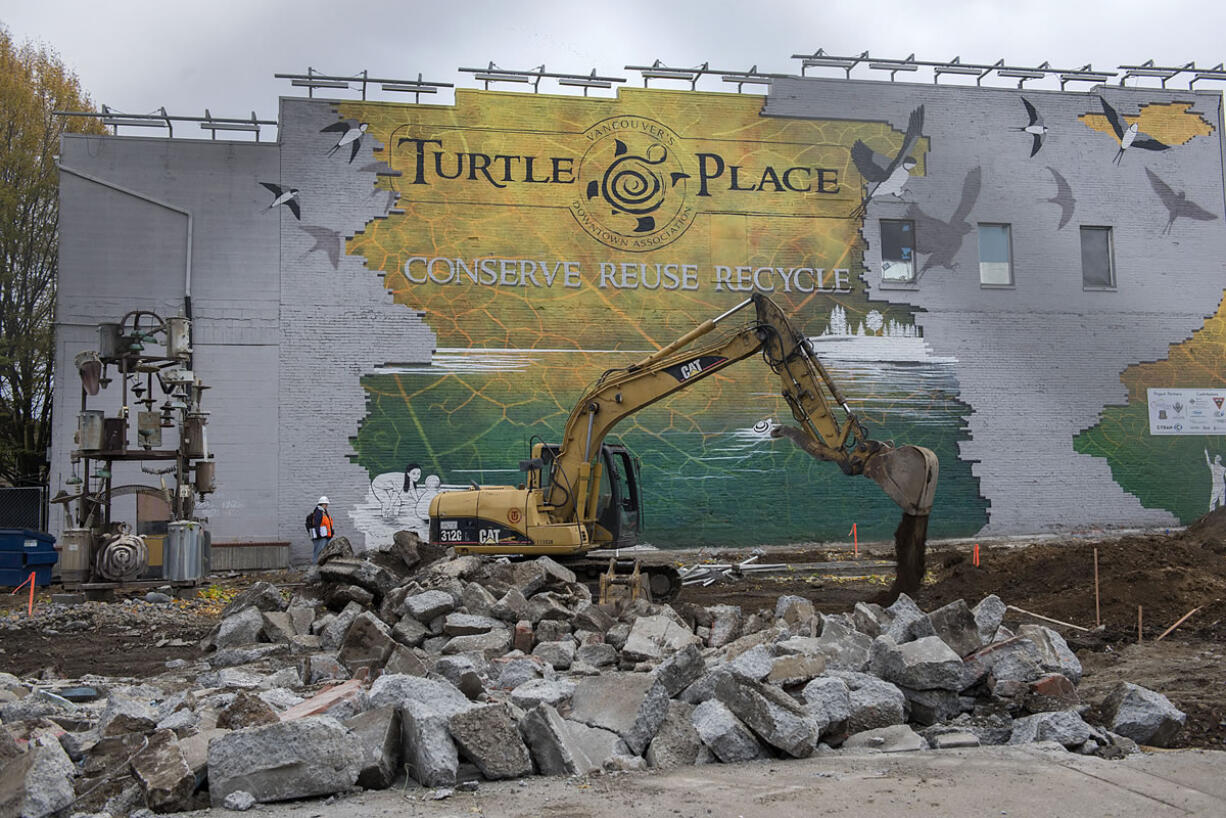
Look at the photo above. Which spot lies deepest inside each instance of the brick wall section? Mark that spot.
(119, 253)
(336, 325)
(1038, 362)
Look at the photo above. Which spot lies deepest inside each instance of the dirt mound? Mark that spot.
(1167, 575)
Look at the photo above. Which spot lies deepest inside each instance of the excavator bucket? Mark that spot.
(908, 475)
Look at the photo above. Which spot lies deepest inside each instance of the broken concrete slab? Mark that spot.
(874, 702)
(362, 573)
(870, 619)
(367, 643)
(654, 638)
(1054, 653)
(1143, 715)
(726, 621)
(539, 691)
(38, 783)
(789, 671)
(595, 618)
(956, 626)
(547, 605)
(677, 672)
(928, 707)
(1015, 659)
(166, 779)
(399, 689)
(907, 621)
(491, 645)
(240, 628)
(263, 596)
(560, 655)
(409, 632)
(676, 743)
(776, 718)
(278, 627)
(989, 613)
(562, 747)
(428, 605)
(295, 759)
(828, 702)
(378, 734)
(922, 664)
(1065, 727)
(597, 655)
(247, 710)
(754, 663)
(124, 714)
(633, 705)
(402, 660)
(334, 633)
(489, 737)
(896, 739)
(511, 607)
(721, 731)
(843, 647)
(462, 624)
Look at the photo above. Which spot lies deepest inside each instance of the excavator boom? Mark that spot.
(567, 494)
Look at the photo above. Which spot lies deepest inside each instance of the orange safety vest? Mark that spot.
(325, 524)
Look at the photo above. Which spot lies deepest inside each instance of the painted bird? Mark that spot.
(942, 240)
(351, 132)
(1130, 136)
(289, 198)
(1177, 204)
(887, 176)
(1035, 127)
(1063, 197)
(326, 239)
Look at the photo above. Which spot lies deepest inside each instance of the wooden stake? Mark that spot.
(1180, 622)
(1047, 618)
(1098, 618)
(1139, 634)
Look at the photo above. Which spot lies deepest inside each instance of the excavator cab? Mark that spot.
(619, 504)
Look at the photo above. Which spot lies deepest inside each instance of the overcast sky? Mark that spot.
(137, 55)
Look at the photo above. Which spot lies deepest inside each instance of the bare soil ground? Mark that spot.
(1167, 575)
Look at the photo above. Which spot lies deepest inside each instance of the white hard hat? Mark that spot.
(323, 501)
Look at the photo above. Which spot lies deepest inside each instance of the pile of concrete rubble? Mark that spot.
(412, 661)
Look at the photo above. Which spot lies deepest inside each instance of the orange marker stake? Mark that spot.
(30, 609)
(855, 538)
(975, 556)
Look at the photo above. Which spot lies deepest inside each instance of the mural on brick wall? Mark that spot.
(547, 239)
(1180, 473)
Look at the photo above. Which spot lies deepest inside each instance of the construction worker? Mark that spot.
(321, 528)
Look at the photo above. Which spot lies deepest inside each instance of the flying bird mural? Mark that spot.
(351, 132)
(1035, 127)
(1063, 198)
(1176, 203)
(283, 196)
(1130, 135)
(941, 240)
(883, 175)
(327, 240)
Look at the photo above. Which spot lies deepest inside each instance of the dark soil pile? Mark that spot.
(1167, 575)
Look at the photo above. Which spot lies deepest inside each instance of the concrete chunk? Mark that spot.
(491, 645)
(240, 628)
(896, 739)
(681, 669)
(922, 664)
(296, 759)
(539, 691)
(562, 747)
(1143, 715)
(907, 621)
(633, 705)
(989, 613)
(874, 702)
(1064, 727)
(654, 638)
(489, 738)
(773, 715)
(828, 702)
(676, 743)
(367, 643)
(721, 731)
(378, 734)
(427, 605)
(1054, 653)
(37, 783)
(956, 626)
(166, 779)
(726, 622)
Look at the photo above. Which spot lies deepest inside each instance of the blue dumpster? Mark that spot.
(24, 552)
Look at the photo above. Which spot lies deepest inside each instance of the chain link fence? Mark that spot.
(24, 508)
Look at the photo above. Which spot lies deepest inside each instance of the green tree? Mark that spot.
(33, 84)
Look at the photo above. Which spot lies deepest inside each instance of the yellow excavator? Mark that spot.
(584, 493)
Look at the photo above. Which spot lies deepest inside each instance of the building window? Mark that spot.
(995, 255)
(1097, 258)
(897, 250)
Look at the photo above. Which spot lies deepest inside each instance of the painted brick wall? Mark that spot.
(1039, 361)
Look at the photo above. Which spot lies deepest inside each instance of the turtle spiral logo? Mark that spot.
(634, 185)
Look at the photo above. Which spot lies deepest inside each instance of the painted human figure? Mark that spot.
(1217, 496)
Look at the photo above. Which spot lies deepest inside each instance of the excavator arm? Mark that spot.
(908, 474)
